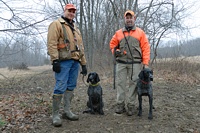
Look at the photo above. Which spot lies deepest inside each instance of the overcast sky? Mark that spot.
(193, 18)
(192, 21)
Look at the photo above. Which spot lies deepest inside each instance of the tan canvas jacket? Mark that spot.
(56, 36)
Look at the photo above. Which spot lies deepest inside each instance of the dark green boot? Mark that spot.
(68, 95)
(55, 110)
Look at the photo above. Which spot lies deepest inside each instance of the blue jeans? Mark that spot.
(67, 78)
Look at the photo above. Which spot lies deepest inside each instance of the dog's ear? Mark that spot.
(152, 72)
(141, 74)
(88, 80)
(97, 78)
(151, 75)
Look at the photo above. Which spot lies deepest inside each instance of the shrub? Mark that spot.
(20, 66)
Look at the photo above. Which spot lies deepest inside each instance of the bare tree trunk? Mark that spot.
(81, 16)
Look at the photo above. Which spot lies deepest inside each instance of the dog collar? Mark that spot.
(144, 82)
(94, 84)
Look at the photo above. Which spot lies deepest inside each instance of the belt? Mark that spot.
(126, 62)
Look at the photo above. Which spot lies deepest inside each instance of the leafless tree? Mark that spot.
(97, 20)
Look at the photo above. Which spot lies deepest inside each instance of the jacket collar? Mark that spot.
(71, 25)
(61, 20)
(67, 20)
(73, 28)
(134, 28)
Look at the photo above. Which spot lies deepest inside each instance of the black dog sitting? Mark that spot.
(95, 103)
(144, 88)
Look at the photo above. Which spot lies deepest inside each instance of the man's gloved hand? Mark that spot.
(84, 70)
(56, 66)
(145, 66)
(117, 52)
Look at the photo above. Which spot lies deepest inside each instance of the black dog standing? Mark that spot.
(144, 88)
(95, 102)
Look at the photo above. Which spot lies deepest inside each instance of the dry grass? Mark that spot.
(5, 73)
(192, 59)
(184, 70)
(26, 105)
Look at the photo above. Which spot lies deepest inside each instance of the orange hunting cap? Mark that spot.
(129, 12)
(70, 6)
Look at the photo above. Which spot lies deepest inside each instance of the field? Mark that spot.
(26, 96)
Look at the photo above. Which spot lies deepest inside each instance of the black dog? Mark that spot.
(95, 103)
(144, 88)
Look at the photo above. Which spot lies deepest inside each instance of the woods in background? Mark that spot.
(24, 28)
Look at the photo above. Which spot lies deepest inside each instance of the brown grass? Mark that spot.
(25, 105)
(5, 73)
(185, 70)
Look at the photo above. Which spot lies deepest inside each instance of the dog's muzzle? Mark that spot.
(151, 77)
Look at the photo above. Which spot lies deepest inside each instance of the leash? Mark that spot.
(114, 70)
(84, 81)
(90, 83)
(129, 51)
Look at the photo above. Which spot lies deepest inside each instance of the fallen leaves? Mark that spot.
(22, 111)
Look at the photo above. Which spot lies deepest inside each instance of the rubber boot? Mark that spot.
(120, 108)
(68, 95)
(130, 110)
(55, 110)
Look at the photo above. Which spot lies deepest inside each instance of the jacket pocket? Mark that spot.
(64, 54)
(77, 55)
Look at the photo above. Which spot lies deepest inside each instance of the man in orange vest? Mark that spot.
(132, 52)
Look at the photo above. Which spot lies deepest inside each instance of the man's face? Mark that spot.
(129, 20)
(70, 14)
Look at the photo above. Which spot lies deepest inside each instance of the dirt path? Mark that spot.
(176, 109)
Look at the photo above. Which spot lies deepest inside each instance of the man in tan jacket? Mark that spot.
(66, 51)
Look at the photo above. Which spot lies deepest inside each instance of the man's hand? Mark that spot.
(56, 66)
(84, 70)
(117, 52)
(145, 66)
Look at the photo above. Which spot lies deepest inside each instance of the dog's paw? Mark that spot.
(150, 117)
(140, 114)
(86, 111)
(92, 112)
(101, 112)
